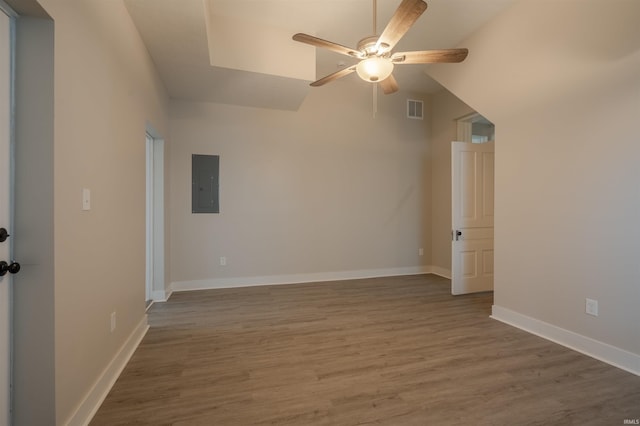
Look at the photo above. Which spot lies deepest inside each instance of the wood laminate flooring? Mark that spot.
(384, 351)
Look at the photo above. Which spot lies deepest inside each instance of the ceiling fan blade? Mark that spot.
(318, 42)
(336, 75)
(389, 85)
(430, 56)
(404, 17)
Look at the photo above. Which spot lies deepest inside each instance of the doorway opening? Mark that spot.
(154, 273)
(472, 195)
(475, 128)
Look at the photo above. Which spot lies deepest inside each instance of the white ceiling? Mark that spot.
(175, 32)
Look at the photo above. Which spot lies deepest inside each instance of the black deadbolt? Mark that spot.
(12, 268)
(3, 235)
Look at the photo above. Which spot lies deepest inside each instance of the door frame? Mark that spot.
(149, 259)
(7, 394)
(155, 225)
(464, 133)
(464, 127)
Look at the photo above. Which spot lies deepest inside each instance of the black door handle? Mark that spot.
(458, 234)
(12, 268)
(3, 235)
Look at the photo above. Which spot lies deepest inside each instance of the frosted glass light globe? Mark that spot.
(374, 69)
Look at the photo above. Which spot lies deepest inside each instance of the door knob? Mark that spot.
(458, 234)
(12, 268)
(3, 235)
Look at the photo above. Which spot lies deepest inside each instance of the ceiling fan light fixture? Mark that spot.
(376, 55)
(374, 69)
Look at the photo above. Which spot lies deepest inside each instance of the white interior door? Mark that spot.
(472, 217)
(5, 217)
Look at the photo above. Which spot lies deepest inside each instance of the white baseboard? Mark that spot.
(296, 278)
(442, 272)
(98, 392)
(604, 352)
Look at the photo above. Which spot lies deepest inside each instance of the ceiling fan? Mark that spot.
(376, 59)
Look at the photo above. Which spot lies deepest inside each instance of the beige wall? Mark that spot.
(321, 190)
(106, 90)
(565, 104)
(446, 109)
(329, 189)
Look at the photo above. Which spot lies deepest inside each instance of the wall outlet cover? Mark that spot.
(86, 199)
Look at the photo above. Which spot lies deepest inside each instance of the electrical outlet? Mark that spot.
(113, 321)
(86, 199)
(223, 261)
(420, 252)
(591, 307)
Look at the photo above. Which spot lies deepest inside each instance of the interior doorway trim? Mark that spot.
(155, 290)
(465, 126)
(466, 130)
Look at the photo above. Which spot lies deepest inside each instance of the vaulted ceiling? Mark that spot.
(241, 51)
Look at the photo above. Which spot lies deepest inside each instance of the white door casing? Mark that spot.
(472, 169)
(150, 225)
(5, 216)
(155, 290)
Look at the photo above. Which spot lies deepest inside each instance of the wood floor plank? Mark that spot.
(385, 351)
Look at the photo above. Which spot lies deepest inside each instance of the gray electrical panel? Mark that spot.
(205, 183)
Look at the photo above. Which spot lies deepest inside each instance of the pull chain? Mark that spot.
(375, 99)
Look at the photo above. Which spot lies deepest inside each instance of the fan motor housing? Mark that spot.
(368, 46)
